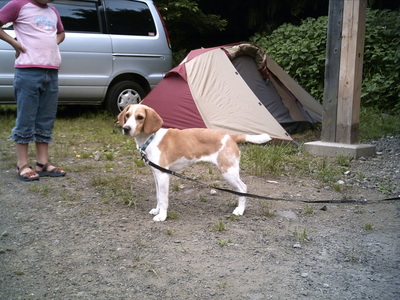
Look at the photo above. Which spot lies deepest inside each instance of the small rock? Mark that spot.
(304, 275)
(287, 214)
(297, 245)
(213, 192)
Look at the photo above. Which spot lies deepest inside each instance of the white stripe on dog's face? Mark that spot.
(137, 118)
(134, 119)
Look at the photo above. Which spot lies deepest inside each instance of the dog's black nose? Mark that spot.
(126, 130)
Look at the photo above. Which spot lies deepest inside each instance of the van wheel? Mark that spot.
(122, 94)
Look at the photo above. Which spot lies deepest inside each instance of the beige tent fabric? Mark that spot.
(305, 98)
(262, 60)
(289, 101)
(225, 101)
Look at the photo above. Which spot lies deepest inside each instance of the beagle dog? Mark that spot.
(175, 149)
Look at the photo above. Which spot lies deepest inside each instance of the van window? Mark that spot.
(129, 18)
(78, 16)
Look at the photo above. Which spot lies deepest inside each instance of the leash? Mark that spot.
(151, 164)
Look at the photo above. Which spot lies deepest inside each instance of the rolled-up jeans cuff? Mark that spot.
(31, 137)
(43, 137)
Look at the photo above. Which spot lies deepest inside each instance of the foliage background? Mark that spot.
(202, 23)
(301, 51)
(294, 34)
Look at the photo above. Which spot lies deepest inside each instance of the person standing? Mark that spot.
(39, 31)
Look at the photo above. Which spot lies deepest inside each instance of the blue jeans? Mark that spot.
(36, 94)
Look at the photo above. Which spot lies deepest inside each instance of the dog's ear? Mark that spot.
(121, 117)
(153, 121)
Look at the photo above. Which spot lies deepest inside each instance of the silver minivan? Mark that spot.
(114, 53)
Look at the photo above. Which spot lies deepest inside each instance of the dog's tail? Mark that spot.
(251, 138)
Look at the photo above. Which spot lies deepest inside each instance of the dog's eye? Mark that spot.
(139, 118)
(127, 115)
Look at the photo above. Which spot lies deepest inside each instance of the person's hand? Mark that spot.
(19, 49)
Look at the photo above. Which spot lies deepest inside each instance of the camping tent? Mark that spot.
(235, 88)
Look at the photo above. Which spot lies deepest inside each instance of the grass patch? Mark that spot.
(175, 187)
(223, 243)
(300, 235)
(220, 226)
(374, 124)
(266, 209)
(172, 215)
(369, 227)
(202, 198)
(308, 209)
(43, 190)
(88, 135)
(19, 272)
(269, 159)
(68, 197)
(324, 170)
(234, 218)
(117, 187)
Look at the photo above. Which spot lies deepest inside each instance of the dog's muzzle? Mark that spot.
(126, 130)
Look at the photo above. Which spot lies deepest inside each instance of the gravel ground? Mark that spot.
(63, 239)
(381, 172)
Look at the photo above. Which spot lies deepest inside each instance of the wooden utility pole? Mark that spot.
(350, 75)
(343, 78)
(332, 68)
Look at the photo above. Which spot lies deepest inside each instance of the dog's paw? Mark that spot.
(154, 211)
(160, 217)
(238, 211)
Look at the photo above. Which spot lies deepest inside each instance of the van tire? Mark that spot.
(123, 93)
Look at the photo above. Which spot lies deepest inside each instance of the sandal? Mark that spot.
(28, 176)
(55, 172)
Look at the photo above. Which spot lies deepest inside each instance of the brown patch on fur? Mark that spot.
(229, 155)
(189, 143)
(121, 119)
(147, 120)
(153, 121)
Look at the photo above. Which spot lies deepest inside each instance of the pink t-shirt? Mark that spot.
(36, 27)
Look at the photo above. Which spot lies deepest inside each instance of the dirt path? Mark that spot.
(57, 246)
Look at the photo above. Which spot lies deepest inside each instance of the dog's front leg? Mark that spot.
(239, 210)
(162, 190)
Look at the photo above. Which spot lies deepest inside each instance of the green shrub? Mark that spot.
(301, 50)
(381, 71)
(374, 124)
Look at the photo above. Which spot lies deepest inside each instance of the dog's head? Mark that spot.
(138, 118)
